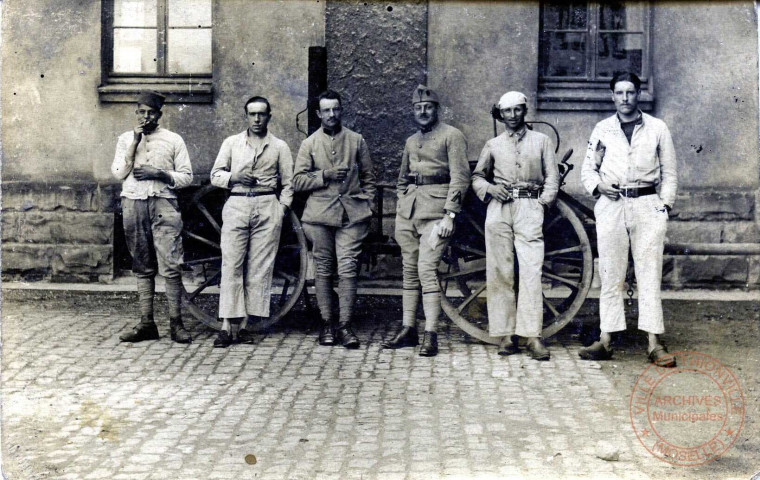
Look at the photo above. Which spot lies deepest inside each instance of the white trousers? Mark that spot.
(250, 237)
(639, 224)
(511, 226)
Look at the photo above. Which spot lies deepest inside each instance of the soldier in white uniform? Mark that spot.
(251, 164)
(628, 155)
(517, 175)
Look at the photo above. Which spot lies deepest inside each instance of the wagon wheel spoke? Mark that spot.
(202, 286)
(549, 274)
(209, 217)
(475, 225)
(286, 276)
(202, 239)
(472, 297)
(199, 261)
(463, 273)
(468, 249)
(561, 251)
(551, 307)
(552, 222)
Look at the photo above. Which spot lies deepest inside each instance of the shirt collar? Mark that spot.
(263, 144)
(519, 134)
(337, 131)
(431, 129)
(639, 120)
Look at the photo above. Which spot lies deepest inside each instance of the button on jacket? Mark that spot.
(649, 160)
(161, 149)
(441, 151)
(329, 200)
(517, 159)
(273, 160)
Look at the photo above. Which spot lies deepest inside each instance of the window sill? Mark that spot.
(584, 99)
(190, 91)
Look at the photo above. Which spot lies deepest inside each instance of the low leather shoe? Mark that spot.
(245, 336)
(429, 346)
(141, 331)
(347, 338)
(537, 350)
(327, 335)
(508, 345)
(223, 339)
(178, 332)
(595, 351)
(406, 337)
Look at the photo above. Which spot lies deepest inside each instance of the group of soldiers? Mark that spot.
(629, 154)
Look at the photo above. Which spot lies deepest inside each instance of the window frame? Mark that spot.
(122, 87)
(590, 92)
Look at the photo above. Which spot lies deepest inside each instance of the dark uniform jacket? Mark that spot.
(440, 152)
(329, 200)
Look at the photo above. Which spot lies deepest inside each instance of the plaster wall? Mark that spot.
(55, 129)
(705, 73)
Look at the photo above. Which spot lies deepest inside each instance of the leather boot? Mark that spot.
(346, 337)
(406, 337)
(178, 332)
(327, 334)
(145, 330)
(429, 346)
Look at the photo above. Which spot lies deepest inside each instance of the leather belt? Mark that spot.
(517, 192)
(418, 179)
(252, 194)
(634, 192)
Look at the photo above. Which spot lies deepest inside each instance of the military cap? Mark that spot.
(510, 99)
(424, 94)
(151, 99)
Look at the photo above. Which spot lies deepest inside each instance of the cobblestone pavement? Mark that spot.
(77, 404)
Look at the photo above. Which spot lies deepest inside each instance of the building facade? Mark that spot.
(71, 70)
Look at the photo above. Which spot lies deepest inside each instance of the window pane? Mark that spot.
(622, 16)
(189, 13)
(565, 16)
(189, 51)
(619, 52)
(134, 13)
(134, 50)
(564, 54)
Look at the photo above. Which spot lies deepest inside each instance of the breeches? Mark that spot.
(639, 224)
(510, 227)
(250, 237)
(420, 261)
(341, 244)
(153, 229)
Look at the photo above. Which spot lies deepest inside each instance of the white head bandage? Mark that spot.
(510, 99)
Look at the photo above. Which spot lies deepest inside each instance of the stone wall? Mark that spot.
(59, 232)
(376, 56)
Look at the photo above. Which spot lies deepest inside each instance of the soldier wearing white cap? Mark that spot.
(628, 155)
(153, 162)
(517, 175)
(432, 183)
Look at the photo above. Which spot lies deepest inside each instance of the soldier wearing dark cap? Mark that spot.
(432, 183)
(334, 166)
(153, 162)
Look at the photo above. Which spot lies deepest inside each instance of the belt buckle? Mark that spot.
(628, 192)
(415, 177)
(515, 192)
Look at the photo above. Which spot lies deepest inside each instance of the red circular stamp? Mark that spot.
(689, 415)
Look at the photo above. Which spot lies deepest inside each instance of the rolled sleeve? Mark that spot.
(668, 168)
(551, 173)
(367, 173)
(285, 167)
(481, 174)
(182, 175)
(305, 178)
(220, 172)
(120, 168)
(590, 177)
(459, 171)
